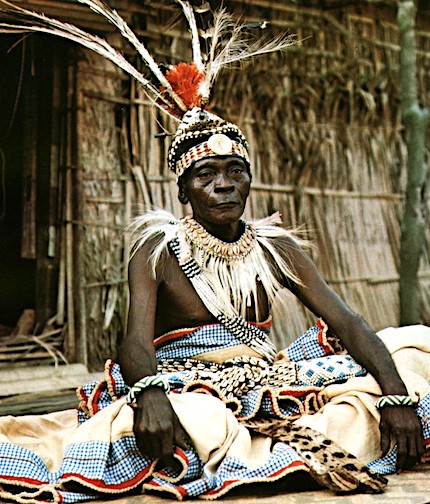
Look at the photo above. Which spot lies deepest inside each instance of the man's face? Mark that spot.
(217, 189)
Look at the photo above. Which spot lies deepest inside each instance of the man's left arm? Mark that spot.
(365, 347)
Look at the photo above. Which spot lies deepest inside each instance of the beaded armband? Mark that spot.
(145, 382)
(394, 400)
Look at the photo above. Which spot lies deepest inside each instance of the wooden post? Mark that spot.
(28, 244)
(68, 213)
(415, 120)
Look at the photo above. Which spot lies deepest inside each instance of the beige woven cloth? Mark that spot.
(350, 418)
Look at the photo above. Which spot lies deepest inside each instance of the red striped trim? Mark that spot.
(176, 334)
(95, 397)
(296, 465)
(298, 392)
(266, 324)
(179, 333)
(202, 388)
(38, 488)
(181, 456)
(154, 485)
(111, 379)
(82, 396)
(322, 336)
(29, 481)
(182, 491)
(99, 484)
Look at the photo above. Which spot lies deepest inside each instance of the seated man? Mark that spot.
(200, 401)
(213, 273)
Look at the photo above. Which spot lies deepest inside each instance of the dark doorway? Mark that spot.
(17, 274)
(33, 71)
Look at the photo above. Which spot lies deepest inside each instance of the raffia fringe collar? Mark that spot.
(233, 269)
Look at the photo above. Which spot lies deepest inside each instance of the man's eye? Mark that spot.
(237, 169)
(204, 175)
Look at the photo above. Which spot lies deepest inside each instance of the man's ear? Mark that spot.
(182, 191)
(182, 197)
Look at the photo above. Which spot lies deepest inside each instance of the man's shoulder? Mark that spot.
(283, 250)
(271, 228)
(150, 235)
(286, 244)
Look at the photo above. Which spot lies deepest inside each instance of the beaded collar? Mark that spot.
(208, 243)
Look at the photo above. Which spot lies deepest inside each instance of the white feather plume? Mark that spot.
(231, 44)
(114, 18)
(44, 24)
(156, 226)
(195, 41)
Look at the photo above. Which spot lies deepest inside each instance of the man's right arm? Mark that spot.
(399, 422)
(157, 429)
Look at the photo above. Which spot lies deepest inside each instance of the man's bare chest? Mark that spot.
(179, 305)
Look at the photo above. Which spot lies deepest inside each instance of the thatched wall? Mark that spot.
(99, 182)
(327, 150)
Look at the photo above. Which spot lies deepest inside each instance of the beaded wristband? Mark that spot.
(395, 400)
(145, 382)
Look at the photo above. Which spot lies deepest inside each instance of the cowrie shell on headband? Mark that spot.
(220, 144)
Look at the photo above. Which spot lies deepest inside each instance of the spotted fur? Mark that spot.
(330, 465)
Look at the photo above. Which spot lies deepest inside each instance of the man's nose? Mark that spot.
(223, 182)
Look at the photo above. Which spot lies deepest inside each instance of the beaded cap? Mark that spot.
(202, 134)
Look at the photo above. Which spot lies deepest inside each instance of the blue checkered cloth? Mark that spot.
(232, 472)
(204, 339)
(312, 373)
(330, 369)
(310, 344)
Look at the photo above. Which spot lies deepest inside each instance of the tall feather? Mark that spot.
(226, 42)
(44, 24)
(222, 24)
(188, 10)
(114, 18)
(203, 13)
(231, 44)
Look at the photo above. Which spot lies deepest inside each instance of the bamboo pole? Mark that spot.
(62, 275)
(416, 120)
(28, 244)
(68, 210)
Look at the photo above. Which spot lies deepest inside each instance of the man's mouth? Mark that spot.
(226, 204)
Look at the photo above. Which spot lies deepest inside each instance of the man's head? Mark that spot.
(217, 188)
(210, 159)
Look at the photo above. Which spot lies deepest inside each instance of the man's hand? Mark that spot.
(157, 428)
(402, 423)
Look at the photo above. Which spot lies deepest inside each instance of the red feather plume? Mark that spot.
(185, 79)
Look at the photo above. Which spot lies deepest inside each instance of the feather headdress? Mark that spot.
(185, 89)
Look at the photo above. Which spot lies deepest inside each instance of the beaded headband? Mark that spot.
(202, 134)
(204, 150)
